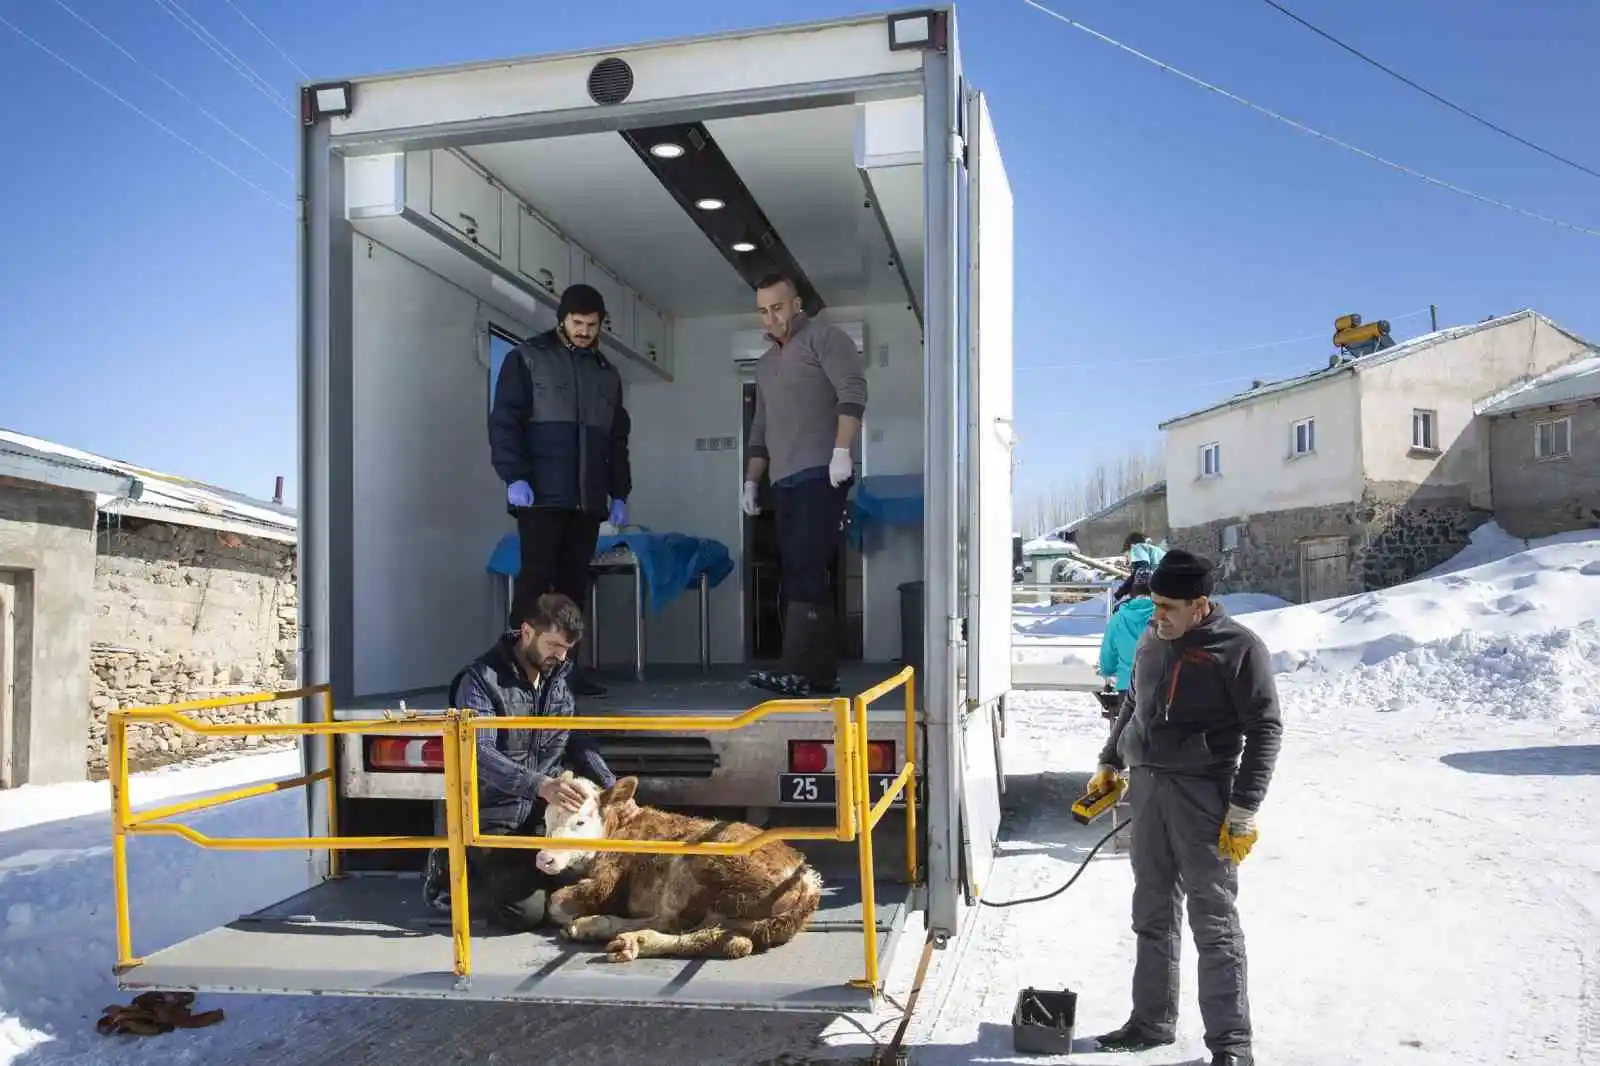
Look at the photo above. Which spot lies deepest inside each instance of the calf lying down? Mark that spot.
(672, 906)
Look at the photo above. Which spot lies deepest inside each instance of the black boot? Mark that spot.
(1133, 1036)
(1235, 1057)
(822, 666)
(788, 678)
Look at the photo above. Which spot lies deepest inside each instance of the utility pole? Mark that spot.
(1433, 317)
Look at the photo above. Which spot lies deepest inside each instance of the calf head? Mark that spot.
(599, 816)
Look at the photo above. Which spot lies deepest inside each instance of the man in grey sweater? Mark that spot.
(1200, 731)
(811, 391)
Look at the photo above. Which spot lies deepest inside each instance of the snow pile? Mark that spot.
(1505, 631)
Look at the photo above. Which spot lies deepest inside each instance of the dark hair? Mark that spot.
(1132, 539)
(580, 299)
(555, 611)
(774, 280)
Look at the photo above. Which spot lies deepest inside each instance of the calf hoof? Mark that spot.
(624, 948)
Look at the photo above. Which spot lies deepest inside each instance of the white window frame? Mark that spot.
(1310, 426)
(1429, 441)
(1213, 448)
(1565, 422)
(506, 336)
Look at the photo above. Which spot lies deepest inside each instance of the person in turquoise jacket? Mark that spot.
(1127, 624)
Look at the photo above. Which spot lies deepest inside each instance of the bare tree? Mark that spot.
(1104, 480)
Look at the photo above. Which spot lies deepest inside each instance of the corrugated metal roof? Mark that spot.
(1352, 366)
(166, 497)
(1578, 380)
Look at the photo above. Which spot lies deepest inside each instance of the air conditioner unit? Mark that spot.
(751, 344)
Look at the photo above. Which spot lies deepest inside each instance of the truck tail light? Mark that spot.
(808, 757)
(406, 754)
(880, 757)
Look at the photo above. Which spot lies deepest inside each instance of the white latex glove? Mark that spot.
(839, 467)
(751, 507)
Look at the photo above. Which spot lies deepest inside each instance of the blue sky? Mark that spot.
(149, 297)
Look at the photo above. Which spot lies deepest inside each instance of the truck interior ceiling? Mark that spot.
(458, 252)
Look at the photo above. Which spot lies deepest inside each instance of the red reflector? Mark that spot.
(808, 757)
(406, 753)
(880, 757)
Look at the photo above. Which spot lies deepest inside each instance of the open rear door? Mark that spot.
(988, 248)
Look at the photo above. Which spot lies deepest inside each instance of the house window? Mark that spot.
(1210, 459)
(500, 345)
(1425, 431)
(1303, 437)
(1552, 440)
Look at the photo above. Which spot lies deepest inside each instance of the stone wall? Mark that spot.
(182, 614)
(1392, 535)
(1534, 496)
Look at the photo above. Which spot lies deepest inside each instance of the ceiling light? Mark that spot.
(709, 203)
(743, 246)
(666, 150)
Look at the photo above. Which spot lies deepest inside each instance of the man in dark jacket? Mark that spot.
(1200, 731)
(811, 392)
(558, 438)
(523, 676)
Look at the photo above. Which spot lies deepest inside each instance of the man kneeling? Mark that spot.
(523, 676)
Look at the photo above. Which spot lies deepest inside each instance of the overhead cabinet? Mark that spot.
(543, 255)
(466, 201)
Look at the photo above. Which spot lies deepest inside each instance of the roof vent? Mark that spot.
(611, 81)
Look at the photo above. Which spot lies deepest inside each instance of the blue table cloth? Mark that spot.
(670, 562)
(885, 500)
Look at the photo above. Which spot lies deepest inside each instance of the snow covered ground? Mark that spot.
(1426, 890)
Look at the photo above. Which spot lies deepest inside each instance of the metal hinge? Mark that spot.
(958, 149)
(956, 629)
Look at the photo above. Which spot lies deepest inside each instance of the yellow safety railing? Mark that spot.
(905, 781)
(855, 814)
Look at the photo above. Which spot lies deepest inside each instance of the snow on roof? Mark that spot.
(1577, 380)
(167, 497)
(1363, 362)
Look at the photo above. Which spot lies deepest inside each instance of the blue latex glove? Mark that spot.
(519, 494)
(619, 512)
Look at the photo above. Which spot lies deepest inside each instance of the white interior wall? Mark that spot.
(681, 490)
(428, 507)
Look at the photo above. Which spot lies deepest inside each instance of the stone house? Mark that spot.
(1101, 534)
(122, 587)
(1360, 474)
(1544, 445)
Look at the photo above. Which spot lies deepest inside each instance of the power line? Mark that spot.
(1303, 128)
(1193, 356)
(185, 96)
(223, 52)
(163, 127)
(275, 46)
(1428, 92)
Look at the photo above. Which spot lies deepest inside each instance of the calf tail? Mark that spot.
(785, 924)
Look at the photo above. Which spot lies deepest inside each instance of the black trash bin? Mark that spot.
(911, 607)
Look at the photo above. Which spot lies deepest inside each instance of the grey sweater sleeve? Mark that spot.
(758, 428)
(1255, 698)
(842, 363)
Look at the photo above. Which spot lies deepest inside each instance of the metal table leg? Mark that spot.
(638, 622)
(705, 622)
(593, 626)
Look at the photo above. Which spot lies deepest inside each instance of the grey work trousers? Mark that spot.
(1176, 823)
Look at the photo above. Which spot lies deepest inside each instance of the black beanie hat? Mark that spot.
(1181, 575)
(580, 299)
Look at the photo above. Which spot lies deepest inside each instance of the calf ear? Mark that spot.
(621, 792)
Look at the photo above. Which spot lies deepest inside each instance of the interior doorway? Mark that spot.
(763, 592)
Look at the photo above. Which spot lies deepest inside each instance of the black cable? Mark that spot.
(1082, 866)
(1427, 92)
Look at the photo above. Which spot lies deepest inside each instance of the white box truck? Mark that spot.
(444, 211)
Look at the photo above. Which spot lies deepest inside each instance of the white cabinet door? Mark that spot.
(618, 298)
(466, 201)
(650, 333)
(542, 255)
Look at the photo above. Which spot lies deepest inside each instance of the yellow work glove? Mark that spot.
(1238, 834)
(1103, 778)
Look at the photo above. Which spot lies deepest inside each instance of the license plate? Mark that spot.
(819, 788)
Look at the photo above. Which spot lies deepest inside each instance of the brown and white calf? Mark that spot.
(677, 906)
